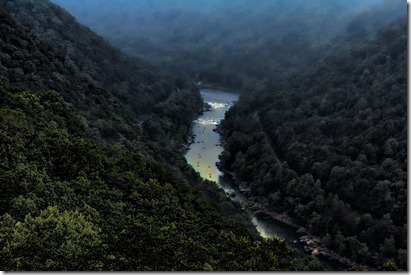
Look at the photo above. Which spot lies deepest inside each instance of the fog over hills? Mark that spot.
(96, 121)
(197, 37)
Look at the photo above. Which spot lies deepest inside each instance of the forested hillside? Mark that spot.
(68, 204)
(340, 133)
(81, 126)
(92, 167)
(108, 89)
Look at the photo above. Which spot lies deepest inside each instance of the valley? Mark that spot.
(157, 135)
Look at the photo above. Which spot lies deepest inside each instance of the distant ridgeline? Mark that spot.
(340, 132)
(231, 42)
(74, 195)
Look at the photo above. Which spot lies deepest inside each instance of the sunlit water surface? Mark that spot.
(203, 153)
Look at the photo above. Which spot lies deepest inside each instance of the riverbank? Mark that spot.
(312, 244)
(202, 154)
(255, 205)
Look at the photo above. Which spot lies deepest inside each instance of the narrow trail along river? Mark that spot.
(203, 156)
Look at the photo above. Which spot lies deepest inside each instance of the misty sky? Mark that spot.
(106, 16)
(189, 33)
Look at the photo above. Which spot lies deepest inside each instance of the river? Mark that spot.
(203, 156)
(203, 153)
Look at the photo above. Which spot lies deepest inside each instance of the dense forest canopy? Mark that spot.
(92, 171)
(340, 131)
(80, 186)
(323, 86)
(68, 204)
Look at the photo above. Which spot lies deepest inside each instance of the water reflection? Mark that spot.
(204, 121)
(203, 153)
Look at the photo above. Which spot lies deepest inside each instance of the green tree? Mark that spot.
(389, 266)
(388, 247)
(52, 241)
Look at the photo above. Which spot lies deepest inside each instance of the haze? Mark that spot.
(198, 37)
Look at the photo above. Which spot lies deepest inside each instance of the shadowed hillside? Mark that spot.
(92, 141)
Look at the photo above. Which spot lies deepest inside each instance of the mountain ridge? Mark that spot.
(120, 88)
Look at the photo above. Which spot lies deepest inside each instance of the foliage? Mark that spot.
(327, 144)
(340, 133)
(68, 204)
(389, 266)
(109, 90)
(147, 112)
(51, 241)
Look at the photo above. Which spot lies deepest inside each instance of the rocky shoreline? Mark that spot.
(312, 244)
